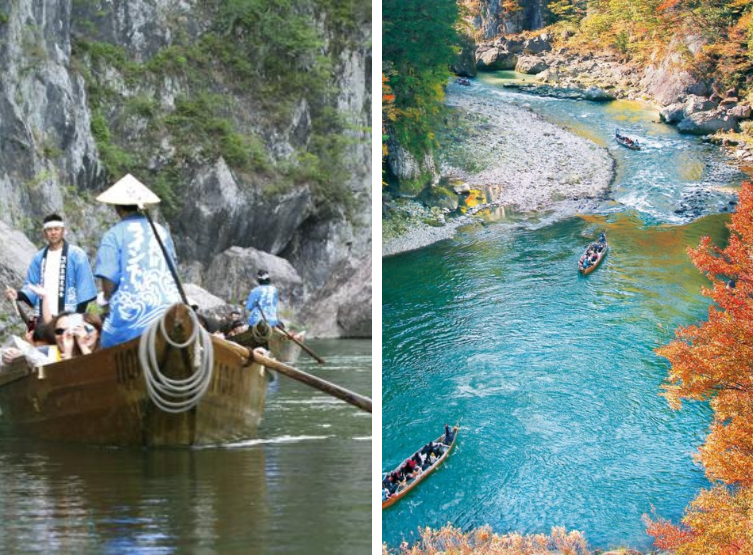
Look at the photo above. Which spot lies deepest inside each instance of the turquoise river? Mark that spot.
(554, 376)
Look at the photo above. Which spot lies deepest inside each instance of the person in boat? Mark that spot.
(62, 270)
(236, 328)
(602, 237)
(136, 279)
(386, 494)
(262, 301)
(448, 434)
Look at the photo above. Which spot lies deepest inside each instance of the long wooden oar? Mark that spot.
(307, 349)
(363, 403)
(301, 344)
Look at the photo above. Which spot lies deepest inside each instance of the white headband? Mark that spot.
(53, 223)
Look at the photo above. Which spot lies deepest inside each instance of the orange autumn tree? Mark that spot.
(714, 361)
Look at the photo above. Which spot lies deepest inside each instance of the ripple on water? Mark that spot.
(554, 376)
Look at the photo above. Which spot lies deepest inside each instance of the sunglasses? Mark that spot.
(60, 331)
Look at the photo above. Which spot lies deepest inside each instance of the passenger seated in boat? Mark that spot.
(236, 328)
(602, 237)
(385, 494)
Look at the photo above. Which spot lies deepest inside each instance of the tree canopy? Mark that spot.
(714, 361)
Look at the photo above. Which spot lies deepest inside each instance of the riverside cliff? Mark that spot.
(250, 122)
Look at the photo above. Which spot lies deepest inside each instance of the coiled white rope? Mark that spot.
(181, 395)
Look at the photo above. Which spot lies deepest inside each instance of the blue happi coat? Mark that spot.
(130, 257)
(75, 275)
(264, 296)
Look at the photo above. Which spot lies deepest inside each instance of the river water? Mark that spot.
(554, 375)
(304, 486)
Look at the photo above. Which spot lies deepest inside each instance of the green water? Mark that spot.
(285, 492)
(554, 375)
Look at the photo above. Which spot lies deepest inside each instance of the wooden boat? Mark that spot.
(283, 348)
(403, 490)
(279, 344)
(600, 256)
(627, 142)
(102, 398)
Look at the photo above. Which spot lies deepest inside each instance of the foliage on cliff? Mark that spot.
(256, 66)
(714, 360)
(710, 35)
(418, 43)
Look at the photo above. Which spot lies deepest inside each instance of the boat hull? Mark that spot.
(283, 349)
(402, 493)
(102, 399)
(592, 267)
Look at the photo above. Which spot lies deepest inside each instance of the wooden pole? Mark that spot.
(168, 259)
(363, 403)
(301, 344)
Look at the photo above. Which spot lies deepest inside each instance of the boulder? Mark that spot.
(530, 65)
(439, 197)
(232, 274)
(537, 45)
(729, 102)
(739, 112)
(465, 62)
(695, 103)
(705, 123)
(550, 75)
(596, 94)
(495, 59)
(225, 211)
(342, 308)
(674, 113)
(513, 45)
(15, 256)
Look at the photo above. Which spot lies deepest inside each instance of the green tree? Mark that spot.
(418, 41)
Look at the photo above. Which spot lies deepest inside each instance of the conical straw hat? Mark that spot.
(128, 190)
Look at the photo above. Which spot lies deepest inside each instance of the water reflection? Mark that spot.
(303, 486)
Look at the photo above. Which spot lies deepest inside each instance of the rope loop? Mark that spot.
(177, 395)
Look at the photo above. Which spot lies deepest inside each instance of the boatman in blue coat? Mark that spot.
(262, 301)
(136, 279)
(62, 270)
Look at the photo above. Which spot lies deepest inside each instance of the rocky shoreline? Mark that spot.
(519, 159)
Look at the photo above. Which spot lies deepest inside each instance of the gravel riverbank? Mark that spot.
(521, 160)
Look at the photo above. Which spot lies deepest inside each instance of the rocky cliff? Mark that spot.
(250, 119)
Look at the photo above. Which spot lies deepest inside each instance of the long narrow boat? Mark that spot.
(283, 348)
(600, 256)
(104, 398)
(279, 344)
(627, 141)
(403, 490)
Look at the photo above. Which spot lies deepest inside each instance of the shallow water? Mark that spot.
(286, 491)
(554, 375)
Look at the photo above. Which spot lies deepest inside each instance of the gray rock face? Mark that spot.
(531, 65)
(495, 59)
(674, 113)
(537, 45)
(232, 275)
(740, 112)
(598, 95)
(224, 214)
(345, 303)
(695, 103)
(667, 84)
(704, 123)
(16, 252)
(49, 159)
(406, 167)
(465, 62)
